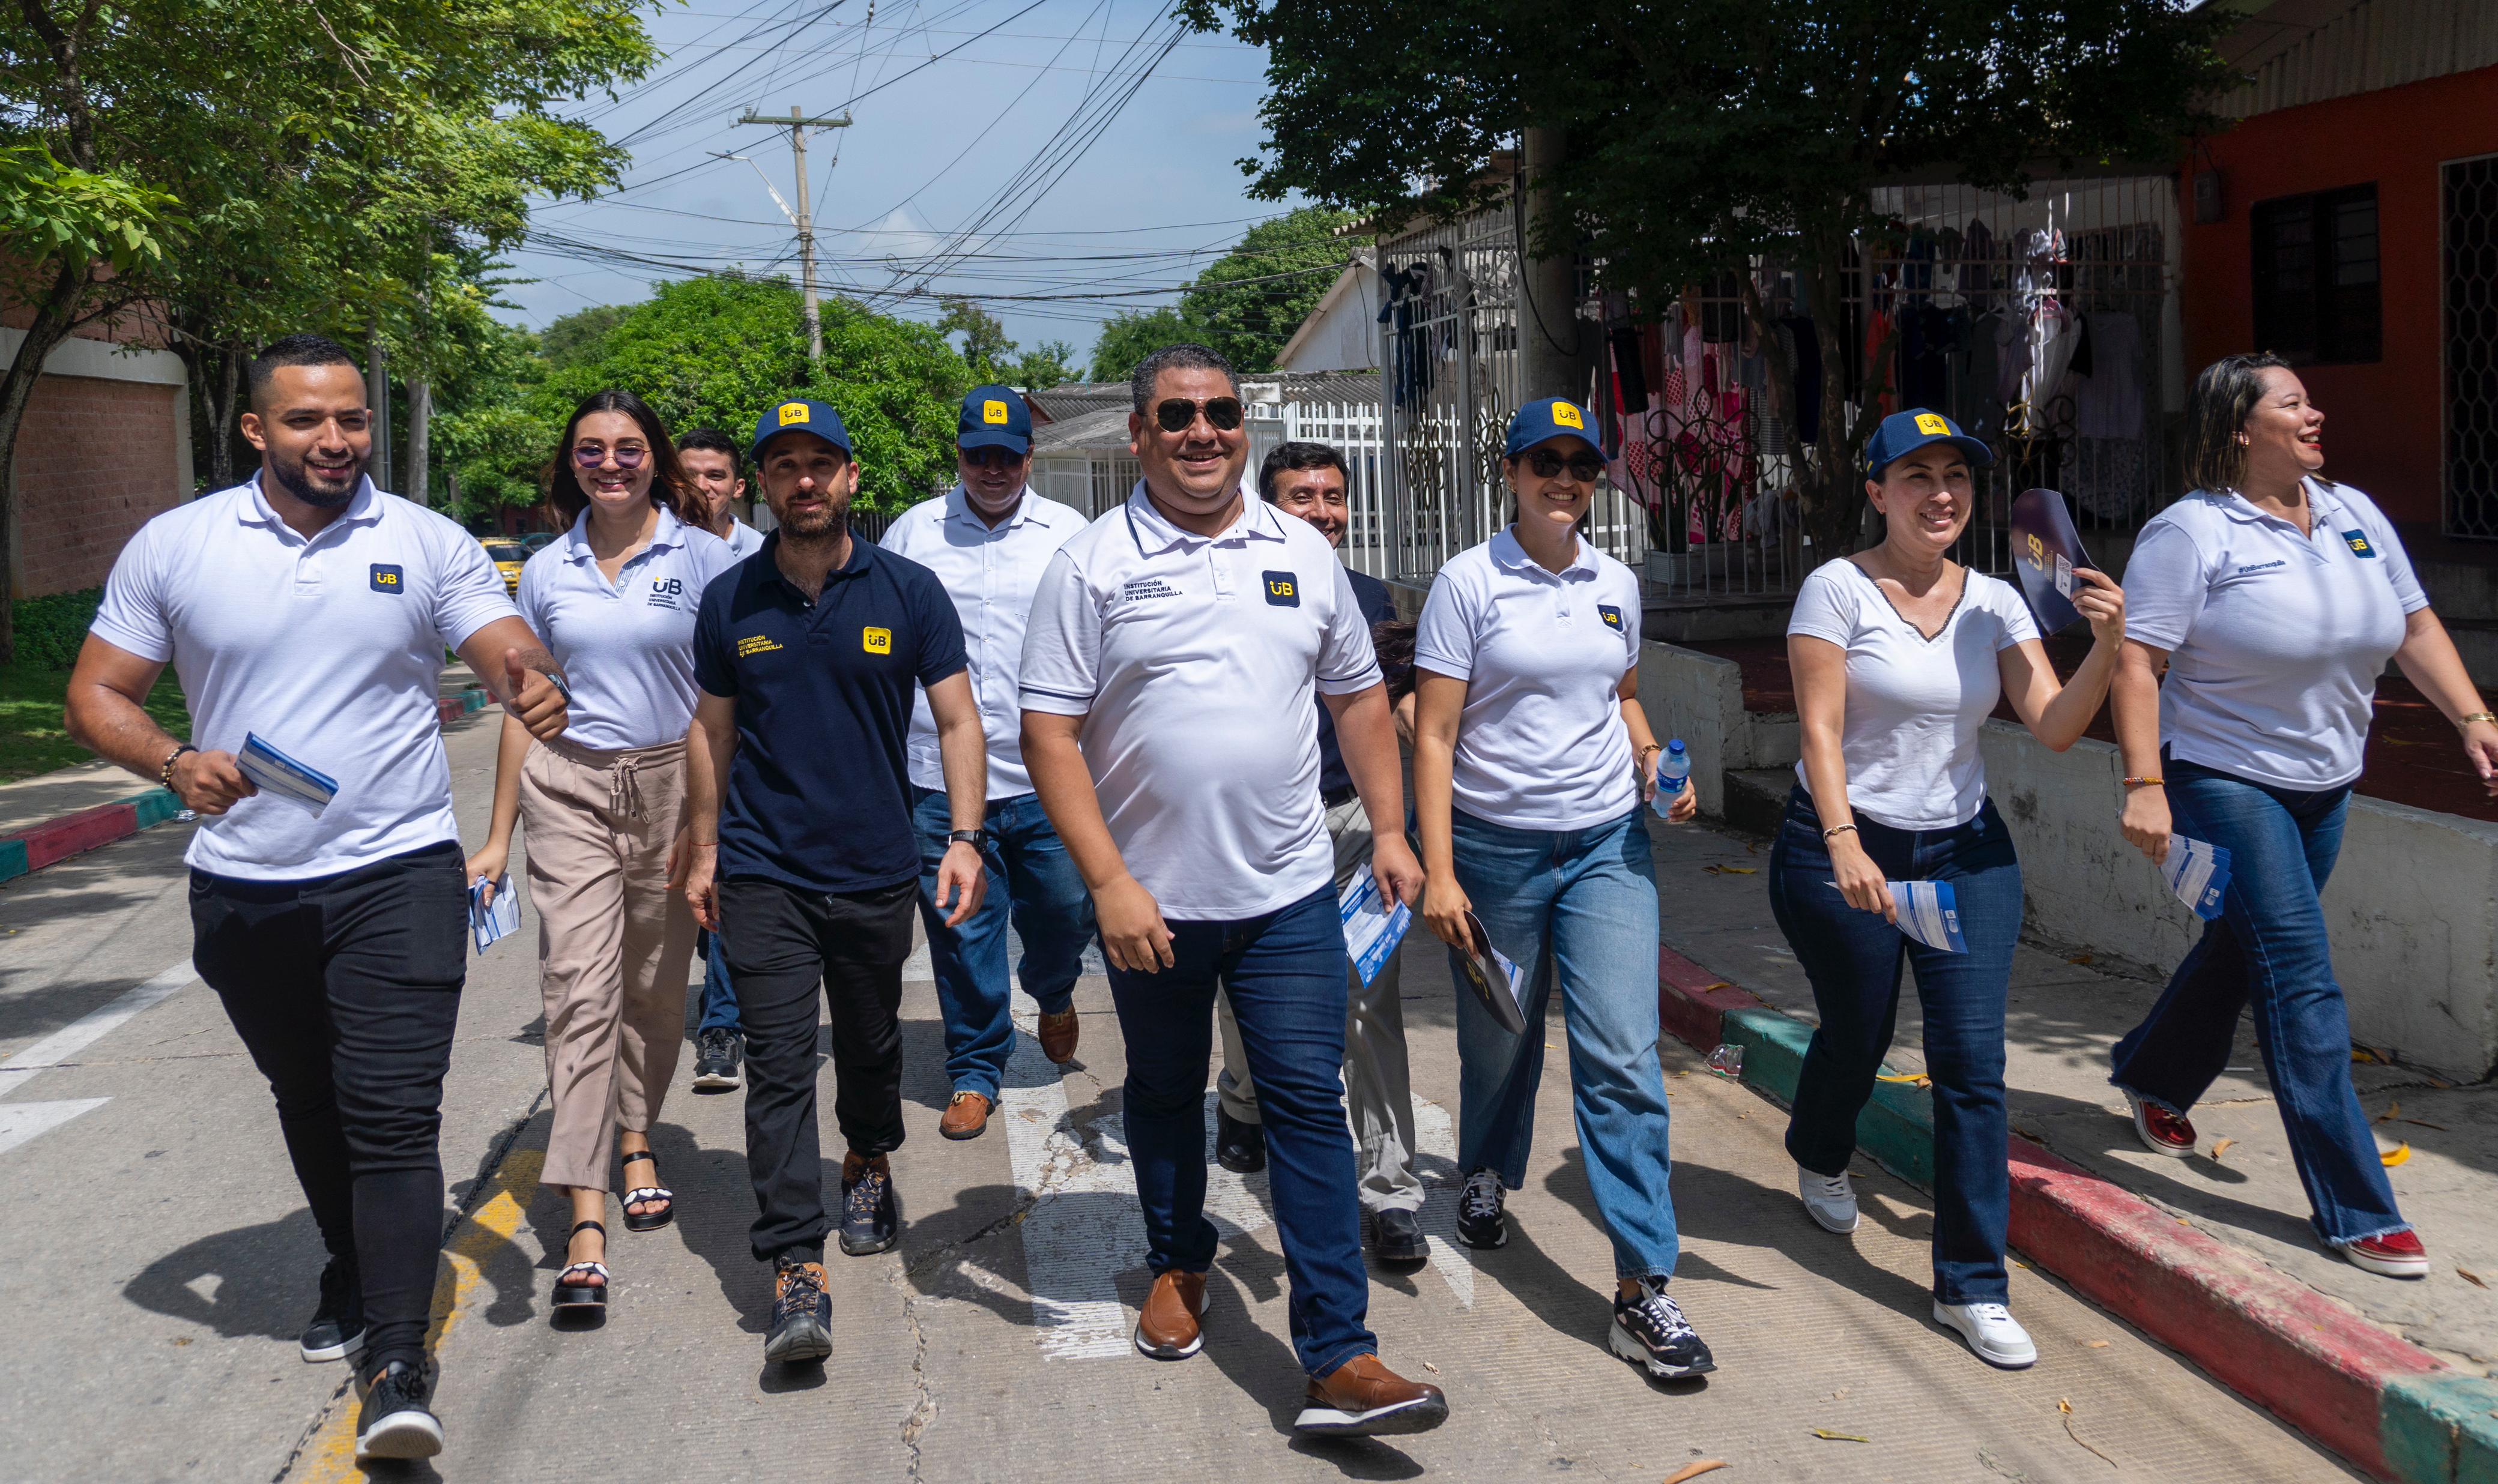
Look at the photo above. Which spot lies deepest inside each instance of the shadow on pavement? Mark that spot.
(262, 1282)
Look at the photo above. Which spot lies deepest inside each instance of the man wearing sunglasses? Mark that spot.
(987, 540)
(1174, 649)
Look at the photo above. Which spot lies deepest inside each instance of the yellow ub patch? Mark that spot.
(1568, 416)
(793, 413)
(994, 414)
(1932, 423)
(876, 641)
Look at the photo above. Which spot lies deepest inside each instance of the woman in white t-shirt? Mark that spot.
(615, 598)
(2275, 597)
(1532, 765)
(1900, 653)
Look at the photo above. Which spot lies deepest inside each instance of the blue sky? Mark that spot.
(966, 168)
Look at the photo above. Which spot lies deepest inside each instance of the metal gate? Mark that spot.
(2471, 336)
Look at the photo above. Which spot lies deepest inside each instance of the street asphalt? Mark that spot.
(160, 1264)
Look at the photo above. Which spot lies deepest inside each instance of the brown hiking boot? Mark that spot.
(1168, 1328)
(1058, 1035)
(802, 1314)
(1364, 1399)
(965, 1117)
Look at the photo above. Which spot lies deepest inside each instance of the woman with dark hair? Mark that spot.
(615, 598)
(2274, 596)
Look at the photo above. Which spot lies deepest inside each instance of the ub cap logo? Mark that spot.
(876, 641)
(793, 413)
(1933, 422)
(994, 413)
(1565, 415)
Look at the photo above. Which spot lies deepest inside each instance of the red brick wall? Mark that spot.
(95, 460)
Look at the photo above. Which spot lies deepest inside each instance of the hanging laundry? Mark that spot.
(2109, 401)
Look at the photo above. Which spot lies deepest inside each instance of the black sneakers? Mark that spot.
(1396, 1236)
(395, 1422)
(1480, 1219)
(1238, 1147)
(802, 1313)
(716, 1054)
(338, 1327)
(871, 1215)
(1651, 1330)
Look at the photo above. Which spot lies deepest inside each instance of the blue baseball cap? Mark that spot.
(994, 417)
(1549, 417)
(817, 418)
(1904, 432)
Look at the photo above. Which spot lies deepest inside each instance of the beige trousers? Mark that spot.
(614, 943)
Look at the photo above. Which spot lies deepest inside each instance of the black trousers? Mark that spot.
(346, 990)
(780, 943)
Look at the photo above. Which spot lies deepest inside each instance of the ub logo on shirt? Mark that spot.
(1283, 589)
(1612, 616)
(387, 577)
(876, 641)
(2358, 541)
(664, 591)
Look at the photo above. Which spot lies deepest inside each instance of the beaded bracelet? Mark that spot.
(1837, 830)
(2139, 782)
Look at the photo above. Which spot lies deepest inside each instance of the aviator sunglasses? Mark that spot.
(990, 457)
(1586, 468)
(590, 455)
(1178, 413)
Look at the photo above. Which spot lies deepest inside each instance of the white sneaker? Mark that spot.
(1990, 1331)
(1829, 1199)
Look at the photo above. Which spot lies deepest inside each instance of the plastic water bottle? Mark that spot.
(1673, 776)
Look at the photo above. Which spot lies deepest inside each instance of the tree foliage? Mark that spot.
(1246, 304)
(993, 357)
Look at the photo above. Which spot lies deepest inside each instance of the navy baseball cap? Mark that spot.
(994, 417)
(817, 418)
(1549, 417)
(1906, 432)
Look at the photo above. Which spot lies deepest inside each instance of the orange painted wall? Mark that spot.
(2385, 424)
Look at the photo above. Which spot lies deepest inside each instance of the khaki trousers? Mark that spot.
(614, 943)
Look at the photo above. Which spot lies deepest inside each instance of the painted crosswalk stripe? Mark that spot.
(21, 1121)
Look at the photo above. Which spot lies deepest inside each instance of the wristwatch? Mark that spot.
(978, 839)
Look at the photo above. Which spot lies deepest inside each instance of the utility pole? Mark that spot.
(797, 124)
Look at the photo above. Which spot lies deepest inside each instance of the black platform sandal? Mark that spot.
(649, 1221)
(574, 1299)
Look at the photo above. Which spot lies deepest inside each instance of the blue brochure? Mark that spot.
(1929, 914)
(1372, 928)
(491, 923)
(272, 771)
(2198, 873)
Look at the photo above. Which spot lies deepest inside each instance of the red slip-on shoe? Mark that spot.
(2394, 1254)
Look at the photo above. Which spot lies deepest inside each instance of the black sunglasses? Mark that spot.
(1586, 468)
(1179, 414)
(991, 457)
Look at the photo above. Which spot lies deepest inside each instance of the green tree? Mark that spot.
(575, 337)
(1701, 134)
(992, 356)
(1248, 303)
(1132, 335)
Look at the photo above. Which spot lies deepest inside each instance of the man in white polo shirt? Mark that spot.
(308, 611)
(1167, 679)
(987, 540)
(710, 459)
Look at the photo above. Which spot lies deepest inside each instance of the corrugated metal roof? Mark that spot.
(1079, 398)
(2303, 51)
(1100, 427)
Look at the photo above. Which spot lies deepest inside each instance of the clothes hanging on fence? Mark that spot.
(1408, 289)
(2109, 401)
(1978, 265)
(1928, 337)
(1977, 403)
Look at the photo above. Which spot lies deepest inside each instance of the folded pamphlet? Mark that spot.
(272, 771)
(1499, 984)
(2198, 873)
(1929, 914)
(1372, 929)
(489, 923)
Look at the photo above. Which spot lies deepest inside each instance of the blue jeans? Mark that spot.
(2268, 947)
(718, 1000)
(1031, 881)
(1854, 958)
(1284, 974)
(1578, 905)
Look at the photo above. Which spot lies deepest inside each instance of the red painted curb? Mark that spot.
(1693, 1002)
(57, 840)
(447, 707)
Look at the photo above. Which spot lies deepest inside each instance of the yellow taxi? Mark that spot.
(507, 558)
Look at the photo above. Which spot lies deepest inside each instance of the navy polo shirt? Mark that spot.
(818, 798)
(1378, 606)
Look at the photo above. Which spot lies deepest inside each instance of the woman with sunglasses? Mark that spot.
(1899, 654)
(615, 598)
(1533, 764)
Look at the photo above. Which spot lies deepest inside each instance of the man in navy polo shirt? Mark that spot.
(805, 861)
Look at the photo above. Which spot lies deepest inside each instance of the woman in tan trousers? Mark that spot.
(615, 598)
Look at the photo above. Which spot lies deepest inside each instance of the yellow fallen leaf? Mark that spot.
(2096, 1344)
(1722, 983)
(1913, 1078)
(1694, 1470)
(1829, 1435)
(2220, 1147)
(2470, 1277)
(2393, 1112)
(2395, 1156)
(2363, 1055)
(2066, 1407)
(1732, 870)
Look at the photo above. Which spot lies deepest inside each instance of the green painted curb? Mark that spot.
(1896, 1127)
(2440, 1428)
(12, 859)
(154, 807)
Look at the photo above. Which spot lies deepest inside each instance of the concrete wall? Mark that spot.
(1700, 698)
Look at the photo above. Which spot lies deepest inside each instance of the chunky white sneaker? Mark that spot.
(1990, 1331)
(1829, 1199)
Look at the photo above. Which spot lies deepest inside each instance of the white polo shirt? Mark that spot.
(328, 648)
(1541, 744)
(626, 648)
(990, 571)
(1192, 661)
(743, 540)
(2275, 639)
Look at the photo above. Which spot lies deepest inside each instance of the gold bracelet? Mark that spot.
(2140, 782)
(2462, 723)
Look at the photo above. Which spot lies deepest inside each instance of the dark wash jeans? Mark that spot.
(346, 990)
(1854, 958)
(1284, 974)
(780, 943)
(2268, 949)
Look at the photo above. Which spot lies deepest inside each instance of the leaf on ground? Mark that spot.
(2470, 1277)
(1913, 1079)
(1427, 1366)
(2425, 1123)
(2395, 1156)
(2365, 1056)
(1722, 983)
(2219, 1148)
(2066, 1407)
(2394, 1111)
(1827, 1436)
(1695, 1471)
(1732, 870)
(2084, 958)
(2096, 1344)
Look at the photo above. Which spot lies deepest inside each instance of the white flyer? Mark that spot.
(2198, 873)
(490, 923)
(1929, 914)
(1372, 929)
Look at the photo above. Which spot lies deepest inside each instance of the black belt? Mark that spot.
(1342, 794)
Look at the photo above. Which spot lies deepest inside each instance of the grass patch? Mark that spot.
(33, 740)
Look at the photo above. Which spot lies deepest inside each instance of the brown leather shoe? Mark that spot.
(965, 1117)
(1168, 1327)
(1364, 1399)
(1058, 1035)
